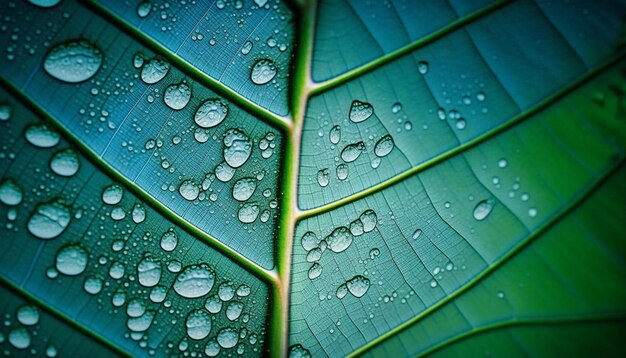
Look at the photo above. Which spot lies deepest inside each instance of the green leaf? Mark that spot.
(322, 178)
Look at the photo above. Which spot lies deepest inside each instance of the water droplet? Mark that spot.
(263, 71)
(138, 214)
(157, 294)
(433, 283)
(502, 163)
(237, 148)
(342, 172)
(297, 351)
(5, 112)
(369, 220)
(422, 67)
(169, 240)
(481, 96)
(309, 241)
(92, 285)
(143, 9)
(19, 338)
(141, 323)
(243, 290)
(335, 134)
(461, 123)
(71, 260)
(118, 213)
(532, 212)
(116, 271)
(500, 294)
(149, 272)
(212, 349)
(211, 113)
(65, 163)
(49, 220)
(358, 285)
(339, 240)
(233, 310)
(483, 209)
(42, 136)
(177, 95)
(112, 194)
(374, 253)
(248, 213)
(315, 271)
(198, 324)
(10, 192)
(396, 107)
(189, 190)
(384, 146)
(360, 111)
(247, 46)
(51, 351)
(227, 337)
(417, 234)
(136, 307)
(195, 281)
(356, 227)
(342, 291)
(28, 315)
(138, 60)
(73, 61)
(154, 70)
(352, 151)
(226, 291)
(213, 304)
(119, 298)
(44, 3)
(244, 188)
(322, 177)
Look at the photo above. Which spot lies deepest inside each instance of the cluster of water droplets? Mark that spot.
(24, 333)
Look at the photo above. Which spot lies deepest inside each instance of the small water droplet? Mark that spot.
(335, 134)
(351, 152)
(297, 351)
(154, 70)
(309, 241)
(483, 209)
(532, 212)
(28, 315)
(233, 310)
(189, 190)
(396, 107)
(322, 177)
(213, 304)
(19, 338)
(73, 61)
(212, 348)
(143, 9)
(10, 192)
(71, 260)
(227, 337)
(247, 46)
(422, 67)
(369, 220)
(417, 234)
(92, 285)
(315, 271)
(237, 148)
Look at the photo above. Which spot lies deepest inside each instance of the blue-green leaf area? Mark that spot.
(171, 154)
(88, 248)
(222, 39)
(436, 232)
(470, 83)
(29, 329)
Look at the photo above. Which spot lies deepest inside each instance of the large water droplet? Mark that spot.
(309, 241)
(177, 95)
(189, 190)
(41, 135)
(234, 309)
(49, 220)
(342, 291)
(369, 220)
(138, 214)
(71, 260)
(384, 146)
(227, 337)
(356, 227)
(169, 240)
(154, 70)
(28, 315)
(297, 351)
(149, 272)
(224, 173)
(237, 148)
(322, 177)
(483, 209)
(136, 307)
(73, 61)
(212, 349)
(315, 271)
(144, 8)
(211, 113)
(360, 111)
(335, 134)
(339, 240)
(195, 281)
(358, 285)
(117, 270)
(248, 213)
(19, 338)
(92, 285)
(141, 323)
(10, 192)
(244, 188)
(263, 71)
(112, 194)
(198, 324)
(213, 304)
(65, 163)
(44, 3)
(226, 291)
(352, 151)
